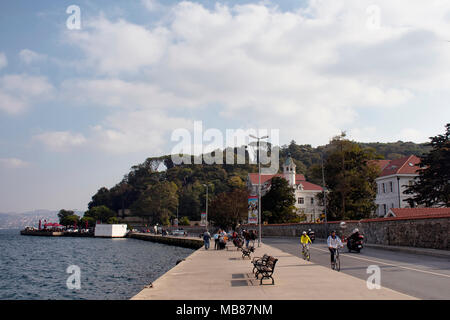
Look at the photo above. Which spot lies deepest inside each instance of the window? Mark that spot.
(384, 188)
(312, 200)
(391, 186)
(301, 200)
(392, 205)
(384, 209)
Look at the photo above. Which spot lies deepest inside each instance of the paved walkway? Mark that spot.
(216, 275)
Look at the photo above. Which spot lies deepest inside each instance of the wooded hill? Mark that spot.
(148, 190)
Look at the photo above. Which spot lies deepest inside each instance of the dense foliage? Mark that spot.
(278, 203)
(157, 188)
(229, 209)
(350, 180)
(432, 186)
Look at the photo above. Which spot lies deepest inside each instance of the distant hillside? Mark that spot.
(29, 218)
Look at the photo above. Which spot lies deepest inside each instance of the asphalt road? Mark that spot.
(420, 276)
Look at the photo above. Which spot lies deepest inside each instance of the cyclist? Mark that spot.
(305, 240)
(333, 242)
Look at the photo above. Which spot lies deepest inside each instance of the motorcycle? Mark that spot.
(355, 245)
(312, 235)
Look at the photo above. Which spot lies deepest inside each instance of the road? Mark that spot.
(420, 276)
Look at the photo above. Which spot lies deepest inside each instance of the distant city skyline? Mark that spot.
(78, 108)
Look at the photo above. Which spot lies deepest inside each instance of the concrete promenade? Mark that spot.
(222, 275)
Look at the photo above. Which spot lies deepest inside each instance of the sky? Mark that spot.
(80, 106)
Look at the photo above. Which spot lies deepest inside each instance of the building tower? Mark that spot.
(289, 170)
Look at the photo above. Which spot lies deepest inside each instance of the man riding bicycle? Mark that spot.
(305, 240)
(333, 242)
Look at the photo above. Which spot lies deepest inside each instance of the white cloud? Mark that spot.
(28, 56)
(135, 131)
(310, 73)
(119, 47)
(60, 140)
(151, 5)
(3, 60)
(19, 91)
(414, 135)
(13, 163)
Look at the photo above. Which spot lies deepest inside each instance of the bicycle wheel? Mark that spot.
(338, 264)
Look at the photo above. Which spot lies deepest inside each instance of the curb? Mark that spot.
(420, 251)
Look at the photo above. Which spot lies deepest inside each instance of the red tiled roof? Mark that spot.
(265, 177)
(299, 178)
(310, 186)
(381, 164)
(405, 165)
(418, 212)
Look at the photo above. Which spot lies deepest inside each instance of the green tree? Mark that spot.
(101, 198)
(112, 220)
(184, 221)
(229, 209)
(279, 201)
(62, 214)
(70, 220)
(350, 180)
(158, 203)
(432, 186)
(100, 213)
(91, 221)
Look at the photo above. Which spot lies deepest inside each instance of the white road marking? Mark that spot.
(392, 265)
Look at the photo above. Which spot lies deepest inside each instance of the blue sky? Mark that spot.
(78, 108)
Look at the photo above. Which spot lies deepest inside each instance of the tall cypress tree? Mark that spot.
(432, 187)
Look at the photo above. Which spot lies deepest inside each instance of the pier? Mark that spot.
(42, 233)
(185, 242)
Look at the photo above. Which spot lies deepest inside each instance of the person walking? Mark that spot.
(206, 238)
(246, 237)
(216, 240)
(253, 237)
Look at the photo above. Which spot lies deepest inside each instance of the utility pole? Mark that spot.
(259, 188)
(324, 196)
(206, 185)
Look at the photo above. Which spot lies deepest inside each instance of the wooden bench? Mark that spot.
(266, 271)
(247, 251)
(259, 261)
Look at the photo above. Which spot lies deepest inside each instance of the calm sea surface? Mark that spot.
(35, 267)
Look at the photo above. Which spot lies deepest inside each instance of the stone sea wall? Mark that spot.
(180, 241)
(423, 232)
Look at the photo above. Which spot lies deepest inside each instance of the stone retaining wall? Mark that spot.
(175, 241)
(423, 232)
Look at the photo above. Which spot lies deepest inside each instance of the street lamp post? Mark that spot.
(324, 193)
(206, 185)
(259, 188)
(324, 196)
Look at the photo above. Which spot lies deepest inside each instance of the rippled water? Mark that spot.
(35, 267)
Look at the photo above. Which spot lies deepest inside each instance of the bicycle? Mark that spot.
(306, 253)
(336, 264)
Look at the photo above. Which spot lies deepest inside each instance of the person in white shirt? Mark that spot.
(333, 243)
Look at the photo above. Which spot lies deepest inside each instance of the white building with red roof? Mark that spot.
(395, 176)
(305, 192)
